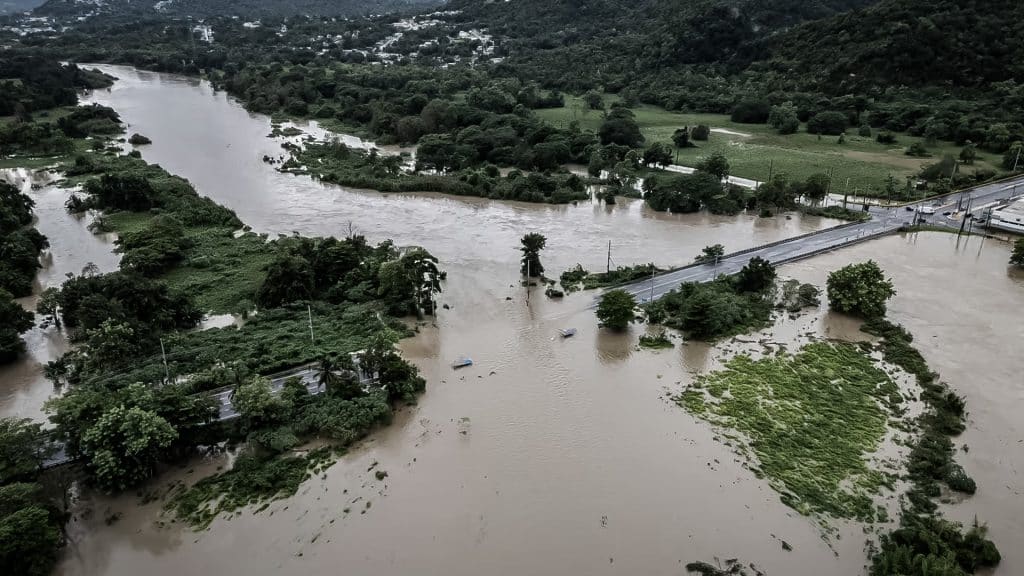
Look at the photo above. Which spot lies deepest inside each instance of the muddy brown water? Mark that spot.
(548, 456)
(23, 388)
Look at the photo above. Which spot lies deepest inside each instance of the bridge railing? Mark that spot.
(756, 248)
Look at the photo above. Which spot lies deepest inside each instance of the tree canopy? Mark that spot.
(860, 289)
(616, 309)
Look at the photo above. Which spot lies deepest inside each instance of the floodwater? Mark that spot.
(23, 388)
(963, 304)
(549, 455)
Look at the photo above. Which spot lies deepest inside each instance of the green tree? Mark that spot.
(751, 111)
(777, 192)
(29, 533)
(22, 449)
(709, 313)
(784, 118)
(257, 405)
(620, 127)
(532, 244)
(657, 154)
(593, 100)
(124, 446)
(289, 279)
(616, 309)
(1017, 257)
(716, 164)
(700, 132)
(327, 376)
(757, 276)
(816, 187)
(681, 137)
(968, 153)
(828, 123)
(860, 289)
(710, 254)
(14, 321)
(1012, 157)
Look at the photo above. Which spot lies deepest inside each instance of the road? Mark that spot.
(309, 375)
(883, 221)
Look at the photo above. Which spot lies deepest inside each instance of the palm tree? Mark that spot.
(328, 376)
(532, 244)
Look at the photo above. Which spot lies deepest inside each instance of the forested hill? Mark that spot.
(659, 31)
(9, 6)
(252, 9)
(954, 43)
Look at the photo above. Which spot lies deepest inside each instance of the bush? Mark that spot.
(917, 150)
(885, 138)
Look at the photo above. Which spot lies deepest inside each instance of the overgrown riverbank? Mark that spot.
(317, 300)
(337, 163)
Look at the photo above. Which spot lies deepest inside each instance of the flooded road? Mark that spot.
(23, 388)
(548, 456)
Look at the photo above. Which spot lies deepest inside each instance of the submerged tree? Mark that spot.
(616, 309)
(532, 244)
(860, 289)
(1017, 258)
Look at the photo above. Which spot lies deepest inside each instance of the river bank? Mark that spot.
(548, 455)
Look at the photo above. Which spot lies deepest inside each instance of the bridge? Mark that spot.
(884, 220)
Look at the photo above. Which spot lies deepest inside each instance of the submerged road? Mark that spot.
(884, 220)
(308, 374)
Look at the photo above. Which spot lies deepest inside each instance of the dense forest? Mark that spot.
(253, 9)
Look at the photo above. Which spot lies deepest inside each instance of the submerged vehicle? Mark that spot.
(567, 332)
(462, 362)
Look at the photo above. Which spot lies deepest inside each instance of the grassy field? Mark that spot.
(755, 149)
(812, 421)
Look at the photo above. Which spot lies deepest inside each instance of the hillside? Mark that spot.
(10, 6)
(962, 43)
(252, 9)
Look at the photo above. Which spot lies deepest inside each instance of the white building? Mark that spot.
(1009, 217)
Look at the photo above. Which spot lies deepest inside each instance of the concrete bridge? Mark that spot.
(884, 220)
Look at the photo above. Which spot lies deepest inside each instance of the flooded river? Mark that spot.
(548, 456)
(23, 388)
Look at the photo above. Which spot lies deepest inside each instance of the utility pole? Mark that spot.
(652, 287)
(163, 353)
(608, 266)
(1016, 159)
(527, 280)
(771, 167)
(846, 192)
(309, 310)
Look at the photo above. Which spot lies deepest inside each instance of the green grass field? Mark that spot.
(755, 149)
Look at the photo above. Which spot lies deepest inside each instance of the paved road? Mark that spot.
(309, 375)
(883, 221)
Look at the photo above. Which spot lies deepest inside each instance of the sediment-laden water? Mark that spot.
(548, 456)
(23, 388)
